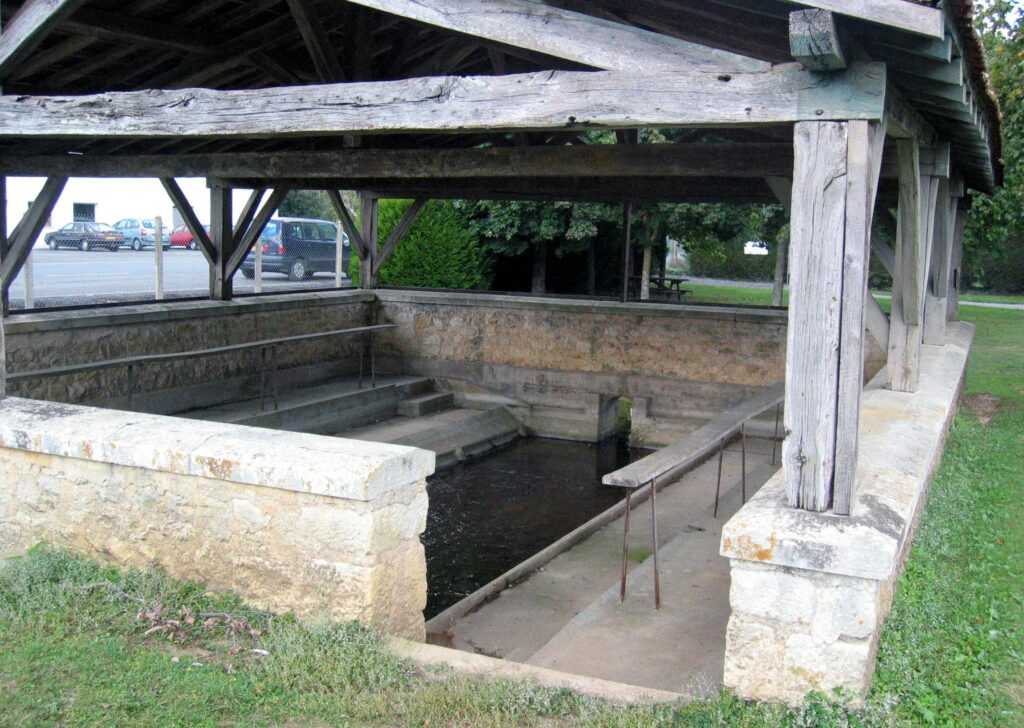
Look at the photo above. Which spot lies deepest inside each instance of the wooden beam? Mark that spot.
(325, 60)
(817, 228)
(754, 160)
(123, 27)
(27, 231)
(904, 327)
(248, 212)
(911, 17)
(351, 229)
(566, 34)
(876, 321)
(865, 144)
(249, 235)
(195, 227)
(904, 120)
(886, 255)
(410, 217)
(29, 26)
(814, 40)
(953, 298)
(551, 100)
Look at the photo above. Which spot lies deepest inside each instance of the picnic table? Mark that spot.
(669, 286)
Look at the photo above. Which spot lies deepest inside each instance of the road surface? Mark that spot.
(71, 277)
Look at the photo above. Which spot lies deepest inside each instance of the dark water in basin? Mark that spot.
(490, 514)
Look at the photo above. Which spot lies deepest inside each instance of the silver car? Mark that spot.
(140, 233)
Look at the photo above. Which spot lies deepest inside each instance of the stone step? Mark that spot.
(453, 435)
(426, 404)
(323, 408)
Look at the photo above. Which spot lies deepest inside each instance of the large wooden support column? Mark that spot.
(3, 254)
(913, 232)
(627, 249)
(368, 216)
(223, 238)
(835, 179)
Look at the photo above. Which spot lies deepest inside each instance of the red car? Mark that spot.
(181, 237)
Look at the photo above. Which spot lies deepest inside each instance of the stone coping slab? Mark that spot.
(573, 305)
(177, 310)
(901, 444)
(326, 466)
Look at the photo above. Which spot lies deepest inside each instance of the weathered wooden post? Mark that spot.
(28, 278)
(158, 252)
(223, 239)
(368, 214)
(835, 180)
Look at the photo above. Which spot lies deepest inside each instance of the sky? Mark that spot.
(114, 198)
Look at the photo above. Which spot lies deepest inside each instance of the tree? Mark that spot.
(307, 203)
(994, 238)
(439, 251)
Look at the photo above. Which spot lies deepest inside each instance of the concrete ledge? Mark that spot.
(810, 591)
(327, 466)
(482, 666)
(176, 311)
(573, 305)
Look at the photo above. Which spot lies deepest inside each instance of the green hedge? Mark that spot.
(730, 262)
(439, 250)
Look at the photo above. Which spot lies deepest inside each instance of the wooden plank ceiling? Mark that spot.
(122, 45)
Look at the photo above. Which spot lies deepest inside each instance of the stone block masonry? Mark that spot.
(810, 591)
(322, 527)
(567, 360)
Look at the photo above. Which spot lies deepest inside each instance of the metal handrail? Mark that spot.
(268, 355)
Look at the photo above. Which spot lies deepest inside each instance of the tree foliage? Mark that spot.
(994, 239)
(307, 203)
(440, 250)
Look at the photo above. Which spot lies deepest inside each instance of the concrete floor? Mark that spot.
(568, 617)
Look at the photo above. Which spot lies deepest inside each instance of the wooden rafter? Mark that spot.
(772, 159)
(249, 235)
(188, 214)
(554, 100)
(351, 229)
(565, 34)
(911, 17)
(314, 35)
(33, 21)
(24, 235)
(396, 235)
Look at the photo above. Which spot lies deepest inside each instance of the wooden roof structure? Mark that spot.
(100, 46)
(830, 107)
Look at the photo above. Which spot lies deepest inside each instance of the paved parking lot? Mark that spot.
(71, 277)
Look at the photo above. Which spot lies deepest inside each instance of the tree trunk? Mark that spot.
(591, 271)
(540, 267)
(645, 279)
(781, 266)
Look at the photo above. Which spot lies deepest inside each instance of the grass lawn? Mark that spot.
(83, 645)
(736, 295)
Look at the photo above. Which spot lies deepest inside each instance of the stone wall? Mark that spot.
(810, 591)
(323, 527)
(556, 355)
(56, 339)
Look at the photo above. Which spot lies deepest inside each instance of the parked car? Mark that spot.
(85, 236)
(181, 237)
(298, 248)
(139, 233)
